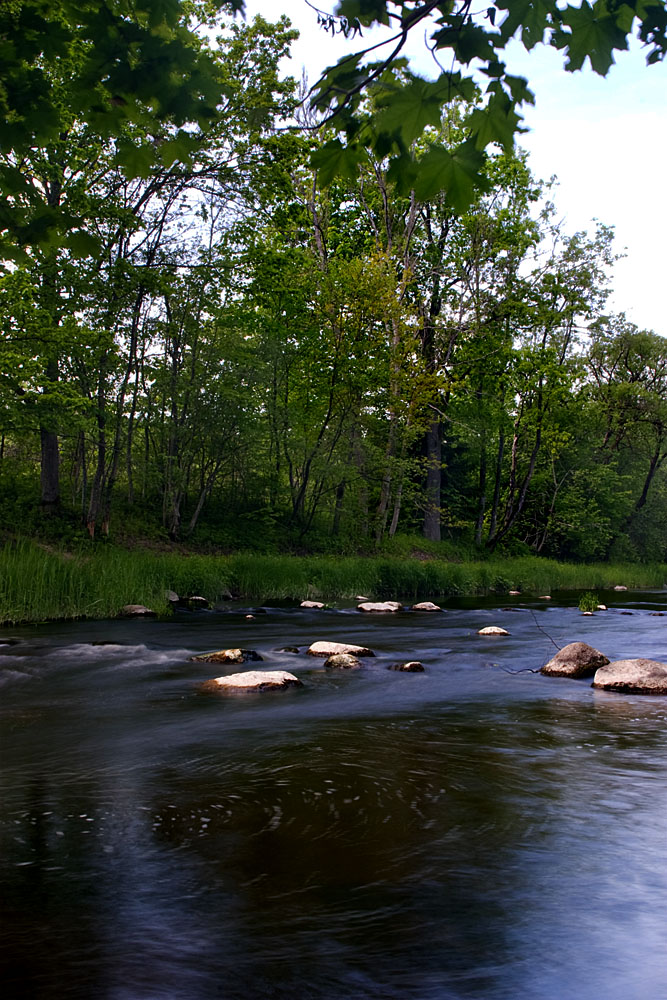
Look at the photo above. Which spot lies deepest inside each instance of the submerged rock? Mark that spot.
(252, 680)
(228, 656)
(426, 606)
(577, 659)
(288, 649)
(325, 648)
(639, 676)
(137, 611)
(493, 630)
(380, 606)
(342, 661)
(409, 667)
(311, 604)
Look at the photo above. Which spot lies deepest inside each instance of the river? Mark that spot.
(474, 831)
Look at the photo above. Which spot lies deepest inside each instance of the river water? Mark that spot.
(475, 831)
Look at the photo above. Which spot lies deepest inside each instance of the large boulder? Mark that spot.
(426, 606)
(633, 677)
(228, 656)
(252, 680)
(380, 606)
(331, 648)
(577, 659)
(342, 661)
(493, 630)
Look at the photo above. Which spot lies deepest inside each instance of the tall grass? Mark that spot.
(38, 583)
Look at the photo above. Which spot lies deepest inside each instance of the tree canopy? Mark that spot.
(112, 64)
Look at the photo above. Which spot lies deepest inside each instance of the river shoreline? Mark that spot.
(41, 584)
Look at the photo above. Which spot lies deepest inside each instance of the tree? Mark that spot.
(116, 63)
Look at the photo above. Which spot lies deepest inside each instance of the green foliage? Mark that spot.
(39, 582)
(461, 37)
(589, 601)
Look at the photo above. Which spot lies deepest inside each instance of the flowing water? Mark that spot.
(475, 831)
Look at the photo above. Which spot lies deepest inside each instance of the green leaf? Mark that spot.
(593, 33)
(333, 159)
(497, 122)
(177, 149)
(533, 18)
(409, 109)
(82, 244)
(458, 174)
(136, 160)
(365, 11)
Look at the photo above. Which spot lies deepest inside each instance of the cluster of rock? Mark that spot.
(578, 659)
(337, 656)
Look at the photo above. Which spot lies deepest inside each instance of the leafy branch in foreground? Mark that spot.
(468, 46)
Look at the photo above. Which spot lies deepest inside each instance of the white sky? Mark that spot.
(604, 138)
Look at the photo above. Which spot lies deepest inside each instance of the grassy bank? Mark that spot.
(38, 583)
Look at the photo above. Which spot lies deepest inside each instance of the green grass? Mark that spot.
(39, 583)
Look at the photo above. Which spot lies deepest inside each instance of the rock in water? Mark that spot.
(342, 661)
(228, 656)
(137, 611)
(197, 602)
(409, 667)
(633, 677)
(311, 604)
(252, 680)
(426, 606)
(493, 630)
(331, 648)
(380, 606)
(577, 659)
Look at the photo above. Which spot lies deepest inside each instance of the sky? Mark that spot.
(605, 139)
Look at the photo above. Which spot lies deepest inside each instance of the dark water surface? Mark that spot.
(469, 832)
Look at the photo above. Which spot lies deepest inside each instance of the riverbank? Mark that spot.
(38, 583)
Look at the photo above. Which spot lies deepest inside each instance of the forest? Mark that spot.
(211, 337)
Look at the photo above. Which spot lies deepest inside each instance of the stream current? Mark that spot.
(474, 831)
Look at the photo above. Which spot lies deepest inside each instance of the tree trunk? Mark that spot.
(49, 470)
(431, 525)
(481, 506)
(493, 526)
(338, 509)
